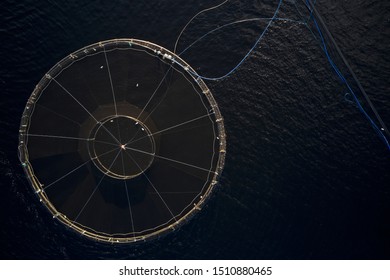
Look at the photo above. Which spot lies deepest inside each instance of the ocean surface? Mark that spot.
(306, 176)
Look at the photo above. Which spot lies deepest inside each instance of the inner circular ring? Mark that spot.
(122, 147)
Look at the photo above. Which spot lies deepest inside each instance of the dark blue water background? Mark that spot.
(306, 176)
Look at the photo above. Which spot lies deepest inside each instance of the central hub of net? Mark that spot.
(122, 147)
(122, 141)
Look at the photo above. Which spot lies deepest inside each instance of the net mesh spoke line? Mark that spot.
(122, 141)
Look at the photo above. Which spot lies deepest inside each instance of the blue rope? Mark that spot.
(323, 45)
(247, 54)
(311, 11)
(344, 81)
(236, 22)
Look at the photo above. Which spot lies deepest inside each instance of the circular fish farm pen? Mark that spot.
(122, 141)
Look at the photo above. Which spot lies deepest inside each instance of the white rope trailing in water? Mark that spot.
(245, 56)
(313, 15)
(238, 22)
(195, 16)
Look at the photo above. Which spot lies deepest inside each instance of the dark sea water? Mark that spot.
(306, 176)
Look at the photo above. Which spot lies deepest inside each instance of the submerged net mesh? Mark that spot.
(121, 141)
